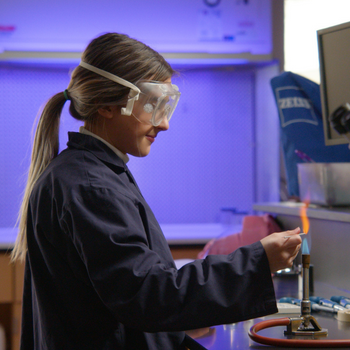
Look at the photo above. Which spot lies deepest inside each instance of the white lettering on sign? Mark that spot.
(294, 102)
(294, 106)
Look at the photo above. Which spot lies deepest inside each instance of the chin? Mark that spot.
(141, 153)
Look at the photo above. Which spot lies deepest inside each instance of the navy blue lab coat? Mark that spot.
(99, 273)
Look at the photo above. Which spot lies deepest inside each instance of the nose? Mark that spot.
(164, 124)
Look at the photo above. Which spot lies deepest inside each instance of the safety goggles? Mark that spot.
(155, 100)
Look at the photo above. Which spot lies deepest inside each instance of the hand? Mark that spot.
(282, 251)
(197, 333)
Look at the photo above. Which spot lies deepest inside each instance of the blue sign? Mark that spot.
(294, 107)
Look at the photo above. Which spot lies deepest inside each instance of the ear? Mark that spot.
(106, 112)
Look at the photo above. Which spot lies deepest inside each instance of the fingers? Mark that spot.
(295, 253)
(292, 247)
(292, 237)
(293, 232)
(281, 252)
(288, 255)
(292, 241)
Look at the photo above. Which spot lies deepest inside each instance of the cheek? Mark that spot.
(134, 134)
(131, 136)
(140, 145)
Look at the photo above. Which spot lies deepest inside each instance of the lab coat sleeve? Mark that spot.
(144, 291)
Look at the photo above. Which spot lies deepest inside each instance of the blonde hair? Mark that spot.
(88, 92)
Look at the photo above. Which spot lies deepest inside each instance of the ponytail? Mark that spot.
(45, 148)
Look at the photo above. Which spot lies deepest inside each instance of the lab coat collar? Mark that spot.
(114, 149)
(98, 148)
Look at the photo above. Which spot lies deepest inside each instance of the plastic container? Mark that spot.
(326, 184)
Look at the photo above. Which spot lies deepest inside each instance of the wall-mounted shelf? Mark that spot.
(174, 58)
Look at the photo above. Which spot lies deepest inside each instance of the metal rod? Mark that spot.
(306, 303)
(306, 276)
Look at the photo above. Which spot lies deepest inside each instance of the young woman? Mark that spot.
(99, 273)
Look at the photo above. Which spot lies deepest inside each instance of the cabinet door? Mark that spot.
(19, 280)
(6, 279)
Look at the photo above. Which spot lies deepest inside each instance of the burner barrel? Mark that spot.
(306, 304)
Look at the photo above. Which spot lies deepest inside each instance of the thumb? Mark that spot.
(296, 231)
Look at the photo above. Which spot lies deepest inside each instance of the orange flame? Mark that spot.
(304, 219)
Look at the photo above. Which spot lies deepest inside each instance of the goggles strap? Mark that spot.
(134, 92)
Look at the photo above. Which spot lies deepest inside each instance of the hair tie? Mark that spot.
(65, 94)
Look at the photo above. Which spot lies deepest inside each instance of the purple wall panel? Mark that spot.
(205, 161)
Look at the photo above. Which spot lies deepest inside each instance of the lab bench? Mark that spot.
(235, 336)
(330, 256)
